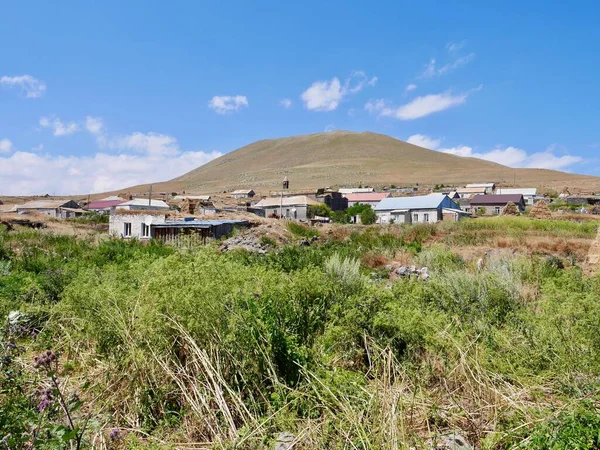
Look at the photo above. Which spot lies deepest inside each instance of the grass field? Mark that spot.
(147, 346)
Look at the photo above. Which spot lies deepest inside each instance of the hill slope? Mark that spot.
(347, 158)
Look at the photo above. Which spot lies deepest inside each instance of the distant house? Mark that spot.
(495, 204)
(334, 200)
(489, 187)
(243, 193)
(200, 198)
(295, 208)
(371, 198)
(59, 209)
(142, 204)
(157, 226)
(582, 199)
(529, 194)
(356, 190)
(105, 205)
(430, 208)
(468, 192)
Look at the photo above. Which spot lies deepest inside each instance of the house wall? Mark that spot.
(300, 214)
(412, 216)
(116, 224)
(51, 212)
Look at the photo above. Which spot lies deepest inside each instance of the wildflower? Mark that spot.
(114, 435)
(46, 398)
(44, 360)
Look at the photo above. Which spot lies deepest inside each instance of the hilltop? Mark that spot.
(348, 158)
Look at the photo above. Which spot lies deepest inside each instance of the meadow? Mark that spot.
(112, 344)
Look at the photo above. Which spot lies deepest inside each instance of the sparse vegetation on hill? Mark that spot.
(154, 347)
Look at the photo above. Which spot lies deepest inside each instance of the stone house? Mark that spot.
(243, 193)
(58, 209)
(295, 208)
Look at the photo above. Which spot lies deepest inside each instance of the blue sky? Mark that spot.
(100, 95)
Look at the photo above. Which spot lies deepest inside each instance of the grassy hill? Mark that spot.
(348, 158)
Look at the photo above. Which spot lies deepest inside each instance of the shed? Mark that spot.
(418, 209)
(51, 208)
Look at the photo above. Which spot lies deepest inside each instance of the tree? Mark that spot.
(321, 210)
(368, 216)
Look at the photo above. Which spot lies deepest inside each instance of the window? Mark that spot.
(497, 210)
(426, 217)
(415, 217)
(127, 229)
(145, 230)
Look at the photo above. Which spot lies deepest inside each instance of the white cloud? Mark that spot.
(410, 87)
(455, 46)
(420, 106)
(30, 87)
(27, 173)
(5, 145)
(509, 156)
(323, 95)
(286, 103)
(58, 127)
(432, 70)
(224, 104)
(330, 127)
(424, 141)
(37, 148)
(327, 95)
(153, 144)
(94, 124)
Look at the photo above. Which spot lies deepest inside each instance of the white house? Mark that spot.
(243, 193)
(295, 208)
(430, 208)
(468, 192)
(142, 204)
(530, 195)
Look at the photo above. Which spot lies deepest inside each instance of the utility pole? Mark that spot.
(150, 197)
(286, 185)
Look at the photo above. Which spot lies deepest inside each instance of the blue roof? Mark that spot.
(432, 201)
(197, 223)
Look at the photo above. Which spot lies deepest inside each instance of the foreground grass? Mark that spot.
(232, 349)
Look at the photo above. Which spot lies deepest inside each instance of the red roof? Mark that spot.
(496, 199)
(367, 197)
(104, 204)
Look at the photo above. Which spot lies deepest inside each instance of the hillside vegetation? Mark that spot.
(345, 158)
(120, 345)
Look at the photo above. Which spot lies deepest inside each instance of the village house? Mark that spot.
(583, 199)
(333, 199)
(105, 205)
(295, 208)
(371, 198)
(530, 195)
(198, 198)
(58, 209)
(469, 192)
(430, 208)
(495, 204)
(489, 187)
(142, 204)
(145, 226)
(243, 193)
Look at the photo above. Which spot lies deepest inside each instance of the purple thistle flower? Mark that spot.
(114, 434)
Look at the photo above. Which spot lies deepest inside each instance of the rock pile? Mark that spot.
(540, 211)
(413, 271)
(245, 242)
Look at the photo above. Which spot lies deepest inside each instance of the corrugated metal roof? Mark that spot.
(496, 199)
(367, 197)
(44, 204)
(485, 185)
(298, 200)
(104, 204)
(355, 190)
(144, 202)
(197, 223)
(471, 190)
(431, 201)
(242, 191)
(511, 191)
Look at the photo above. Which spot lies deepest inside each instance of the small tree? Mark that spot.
(321, 210)
(368, 216)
